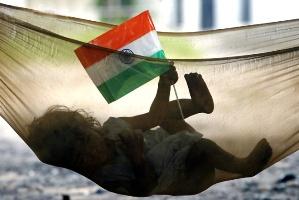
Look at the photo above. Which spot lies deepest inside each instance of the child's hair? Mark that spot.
(58, 137)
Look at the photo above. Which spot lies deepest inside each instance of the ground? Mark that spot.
(23, 177)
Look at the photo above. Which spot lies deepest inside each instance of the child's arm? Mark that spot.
(159, 107)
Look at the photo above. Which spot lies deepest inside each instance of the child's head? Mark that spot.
(62, 137)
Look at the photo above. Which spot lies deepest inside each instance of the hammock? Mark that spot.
(251, 71)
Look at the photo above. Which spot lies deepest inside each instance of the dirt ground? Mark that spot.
(23, 177)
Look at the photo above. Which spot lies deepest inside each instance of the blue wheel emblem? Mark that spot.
(126, 56)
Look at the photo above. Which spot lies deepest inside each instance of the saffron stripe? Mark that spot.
(145, 45)
(120, 36)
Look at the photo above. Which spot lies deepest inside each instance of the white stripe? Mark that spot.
(146, 45)
(111, 65)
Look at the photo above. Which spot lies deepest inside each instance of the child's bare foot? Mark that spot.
(258, 158)
(199, 93)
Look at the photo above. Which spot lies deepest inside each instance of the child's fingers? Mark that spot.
(172, 68)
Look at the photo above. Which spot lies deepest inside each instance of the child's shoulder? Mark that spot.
(114, 122)
(114, 126)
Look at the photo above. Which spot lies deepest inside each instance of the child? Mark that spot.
(126, 156)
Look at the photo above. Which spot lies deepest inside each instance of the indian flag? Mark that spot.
(117, 74)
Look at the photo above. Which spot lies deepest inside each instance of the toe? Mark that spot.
(186, 76)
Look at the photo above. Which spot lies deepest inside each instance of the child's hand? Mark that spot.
(133, 145)
(171, 76)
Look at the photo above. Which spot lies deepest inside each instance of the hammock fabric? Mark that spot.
(252, 73)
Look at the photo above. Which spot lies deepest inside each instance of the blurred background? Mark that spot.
(22, 176)
(172, 15)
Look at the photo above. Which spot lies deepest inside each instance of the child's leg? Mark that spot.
(173, 126)
(161, 110)
(223, 160)
(201, 100)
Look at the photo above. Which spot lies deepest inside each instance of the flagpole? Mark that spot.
(177, 100)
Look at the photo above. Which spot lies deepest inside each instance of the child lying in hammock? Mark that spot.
(125, 156)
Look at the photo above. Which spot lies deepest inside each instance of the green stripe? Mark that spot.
(132, 78)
